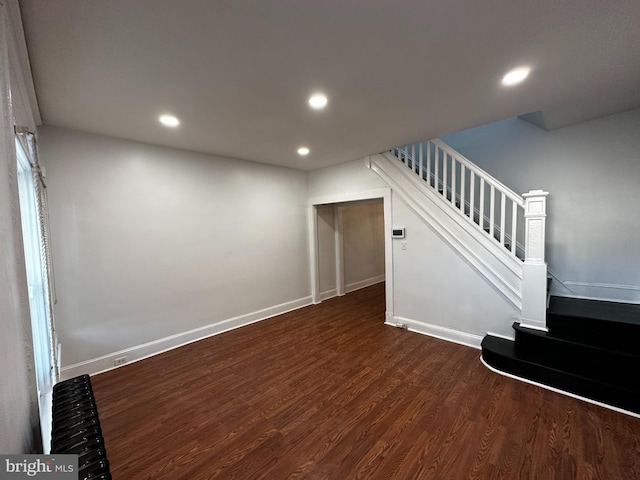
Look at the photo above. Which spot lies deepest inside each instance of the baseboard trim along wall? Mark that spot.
(443, 333)
(328, 294)
(601, 291)
(146, 350)
(352, 287)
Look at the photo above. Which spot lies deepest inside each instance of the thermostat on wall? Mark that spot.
(397, 233)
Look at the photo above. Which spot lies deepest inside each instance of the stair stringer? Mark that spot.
(493, 262)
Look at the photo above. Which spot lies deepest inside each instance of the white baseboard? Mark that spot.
(328, 294)
(443, 333)
(146, 350)
(511, 337)
(352, 287)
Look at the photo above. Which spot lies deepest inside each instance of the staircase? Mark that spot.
(583, 347)
(590, 350)
(498, 232)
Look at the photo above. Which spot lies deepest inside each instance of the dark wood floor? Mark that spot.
(329, 392)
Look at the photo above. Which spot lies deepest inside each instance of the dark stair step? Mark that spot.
(592, 361)
(501, 354)
(597, 309)
(610, 325)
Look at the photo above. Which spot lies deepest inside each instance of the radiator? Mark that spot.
(76, 428)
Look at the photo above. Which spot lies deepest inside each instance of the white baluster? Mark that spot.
(462, 187)
(453, 181)
(481, 202)
(472, 195)
(444, 173)
(436, 168)
(502, 214)
(413, 157)
(429, 163)
(421, 157)
(514, 221)
(492, 205)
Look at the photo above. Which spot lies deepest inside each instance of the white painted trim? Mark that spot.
(388, 253)
(385, 195)
(350, 197)
(557, 390)
(314, 254)
(511, 337)
(533, 326)
(155, 347)
(443, 333)
(603, 285)
(556, 280)
(338, 227)
(352, 287)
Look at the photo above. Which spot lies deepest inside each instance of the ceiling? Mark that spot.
(238, 73)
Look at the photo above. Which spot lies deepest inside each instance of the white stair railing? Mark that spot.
(484, 201)
(494, 209)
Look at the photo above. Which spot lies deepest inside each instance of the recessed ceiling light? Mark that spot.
(169, 121)
(303, 151)
(318, 101)
(515, 76)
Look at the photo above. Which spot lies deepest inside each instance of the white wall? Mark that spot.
(151, 242)
(592, 171)
(363, 243)
(438, 292)
(18, 396)
(342, 180)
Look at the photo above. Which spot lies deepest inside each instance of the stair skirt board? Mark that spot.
(436, 331)
(558, 390)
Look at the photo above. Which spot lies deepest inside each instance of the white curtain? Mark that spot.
(35, 226)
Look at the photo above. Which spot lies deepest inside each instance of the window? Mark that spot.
(33, 212)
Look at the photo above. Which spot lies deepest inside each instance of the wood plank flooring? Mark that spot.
(329, 392)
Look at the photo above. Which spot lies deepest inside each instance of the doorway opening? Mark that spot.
(350, 244)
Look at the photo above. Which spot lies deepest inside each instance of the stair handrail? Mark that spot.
(454, 190)
(480, 172)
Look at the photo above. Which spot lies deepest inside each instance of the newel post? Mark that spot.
(534, 273)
